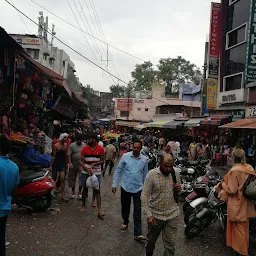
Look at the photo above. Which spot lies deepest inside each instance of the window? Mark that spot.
(232, 2)
(235, 60)
(237, 14)
(146, 109)
(236, 37)
(138, 109)
(45, 56)
(36, 54)
(124, 113)
(233, 82)
(29, 51)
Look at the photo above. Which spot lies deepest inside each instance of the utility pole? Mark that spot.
(128, 101)
(107, 60)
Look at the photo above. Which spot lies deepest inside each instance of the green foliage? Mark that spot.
(178, 70)
(171, 71)
(118, 91)
(143, 76)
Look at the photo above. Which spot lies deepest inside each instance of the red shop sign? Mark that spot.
(214, 47)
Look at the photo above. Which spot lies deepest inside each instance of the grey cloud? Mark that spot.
(148, 29)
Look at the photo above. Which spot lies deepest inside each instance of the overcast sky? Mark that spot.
(148, 29)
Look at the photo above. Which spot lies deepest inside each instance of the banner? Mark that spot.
(212, 87)
(124, 104)
(214, 41)
(250, 64)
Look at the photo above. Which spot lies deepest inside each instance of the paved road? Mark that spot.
(66, 231)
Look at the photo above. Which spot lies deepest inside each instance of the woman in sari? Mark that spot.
(239, 208)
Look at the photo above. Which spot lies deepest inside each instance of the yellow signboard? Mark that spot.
(212, 86)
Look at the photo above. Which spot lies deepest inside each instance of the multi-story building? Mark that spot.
(41, 51)
(159, 105)
(230, 38)
(234, 40)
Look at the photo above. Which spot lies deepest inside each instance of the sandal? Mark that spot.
(94, 204)
(124, 227)
(101, 216)
(64, 199)
(82, 209)
(140, 238)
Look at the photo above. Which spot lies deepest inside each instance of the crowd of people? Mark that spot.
(154, 192)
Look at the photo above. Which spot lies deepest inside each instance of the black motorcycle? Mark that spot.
(214, 210)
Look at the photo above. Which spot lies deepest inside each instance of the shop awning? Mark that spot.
(105, 120)
(139, 127)
(247, 123)
(157, 124)
(216, 120)
(128, 124)
(56, 78)
(173, 124)
(193, 122)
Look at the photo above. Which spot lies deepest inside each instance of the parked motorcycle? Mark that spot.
(34, 192)
(151, 156)
(213, 210)
(190, 174)
(201, 188)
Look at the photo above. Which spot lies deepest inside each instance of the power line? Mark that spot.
(50, 33)
(114, 47)
(80, 54)
(23, 21)
(95, 14)
(81, 29)
(94, 43)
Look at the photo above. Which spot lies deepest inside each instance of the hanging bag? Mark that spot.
(250, 187)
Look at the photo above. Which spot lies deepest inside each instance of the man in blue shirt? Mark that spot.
(9, 178)
(133, 168)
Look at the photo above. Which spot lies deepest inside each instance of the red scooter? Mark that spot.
(34, 192)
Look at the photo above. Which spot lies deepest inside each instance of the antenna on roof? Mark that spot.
(40, 24)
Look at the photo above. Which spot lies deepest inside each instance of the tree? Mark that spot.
(143, 76)
(173, 71)
(118, 91)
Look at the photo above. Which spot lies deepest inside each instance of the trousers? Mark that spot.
(169, 232)
(3, 221)
(126, 206)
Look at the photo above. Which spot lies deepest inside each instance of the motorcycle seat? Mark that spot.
(212, 183)
(192, 163)
(29, 175)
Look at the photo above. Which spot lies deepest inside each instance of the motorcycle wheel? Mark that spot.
(186, 207)
(196, 226)
(192, 212)
(43, 203)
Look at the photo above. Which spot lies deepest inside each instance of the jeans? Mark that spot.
(3, 221)
(169, 231)
(126, 205)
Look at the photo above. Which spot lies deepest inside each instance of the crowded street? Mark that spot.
(63, 230)
(128, 128)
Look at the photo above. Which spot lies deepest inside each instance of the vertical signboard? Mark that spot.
(212, 86)
(214, 40)
(250, 64)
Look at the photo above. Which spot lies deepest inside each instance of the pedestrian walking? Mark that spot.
(159, 203)
(133, 167)
(59, 162)
(74, 153)
(9, 178)
(110, 154)
(91, 159)
(239, 208)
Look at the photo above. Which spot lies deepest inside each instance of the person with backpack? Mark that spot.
(160, 204)
(239, 207)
